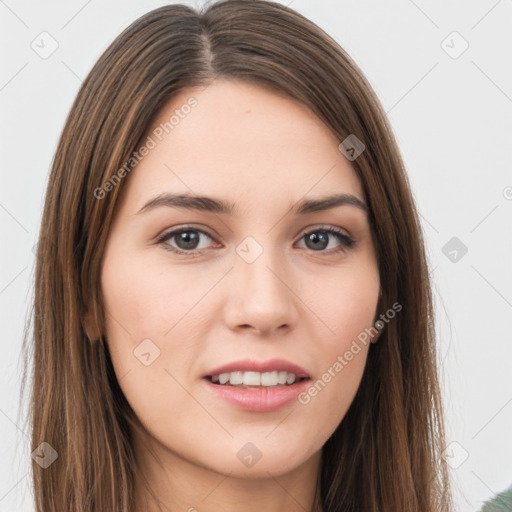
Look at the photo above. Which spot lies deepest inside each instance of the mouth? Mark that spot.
(255, 380)
(256, 391)
(252, 374)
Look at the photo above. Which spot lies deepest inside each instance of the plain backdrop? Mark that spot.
(442, 70)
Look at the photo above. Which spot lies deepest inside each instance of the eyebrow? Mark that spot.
(213, 205)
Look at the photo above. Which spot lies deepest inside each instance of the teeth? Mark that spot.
(235, 378)
(252, 379)
(269, 379)
(274, 378)
(290, 379)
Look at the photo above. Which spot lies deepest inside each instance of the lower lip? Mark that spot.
(258, 399)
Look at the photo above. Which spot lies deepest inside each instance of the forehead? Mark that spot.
(242, 142)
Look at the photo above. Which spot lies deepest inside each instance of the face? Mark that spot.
(190, 289)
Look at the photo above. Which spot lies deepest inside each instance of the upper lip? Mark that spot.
(250, 365)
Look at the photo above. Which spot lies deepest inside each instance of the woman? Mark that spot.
(232, 307)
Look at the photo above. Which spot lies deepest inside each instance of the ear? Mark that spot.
(376, 337)
(91, 327)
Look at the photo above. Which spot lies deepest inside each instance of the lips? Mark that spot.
(256, 399)
(251, 365)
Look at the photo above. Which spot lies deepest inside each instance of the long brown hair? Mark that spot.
(386, 454)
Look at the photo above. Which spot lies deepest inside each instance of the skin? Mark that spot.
(244, 144)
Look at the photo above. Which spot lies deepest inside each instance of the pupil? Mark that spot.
(313, 237)
(189, 238)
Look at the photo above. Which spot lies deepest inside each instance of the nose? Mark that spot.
(261, 296)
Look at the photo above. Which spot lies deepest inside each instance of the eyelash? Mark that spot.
(346, 241)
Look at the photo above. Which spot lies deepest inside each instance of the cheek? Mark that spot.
(146, 330)
(347, 306)
(147, 299)
(145, 318)
(346, 303)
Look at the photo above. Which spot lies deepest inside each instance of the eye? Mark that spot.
(319, 239)
(187, 240)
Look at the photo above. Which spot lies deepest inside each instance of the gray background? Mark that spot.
(451, 111)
